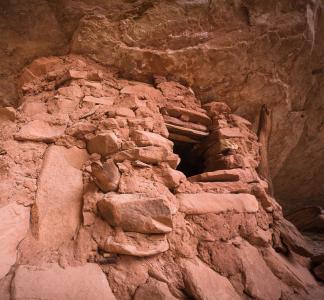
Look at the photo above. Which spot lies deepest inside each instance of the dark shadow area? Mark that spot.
(191, 163)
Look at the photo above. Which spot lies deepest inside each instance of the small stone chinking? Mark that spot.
(94, 203)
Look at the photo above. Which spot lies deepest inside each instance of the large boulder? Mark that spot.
(50, 281)
(203, 283)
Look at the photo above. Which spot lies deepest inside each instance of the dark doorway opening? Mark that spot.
(191, 161)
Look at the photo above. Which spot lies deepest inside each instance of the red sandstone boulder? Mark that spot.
(137, 213)
(153, 289)
(106, 176)
(104, 144)
(203, 283)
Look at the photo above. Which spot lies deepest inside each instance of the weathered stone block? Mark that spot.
(137, 213)
(56, 213)
(104, 144)
(106, 176)
(204, 203)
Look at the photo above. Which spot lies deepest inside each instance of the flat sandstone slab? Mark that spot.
(245, 175)
(50, 281)
(56, 214)
(201, 282)
(204, 203)
(14, 224)
(39, 131)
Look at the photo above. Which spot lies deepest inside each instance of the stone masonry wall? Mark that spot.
(95, 208)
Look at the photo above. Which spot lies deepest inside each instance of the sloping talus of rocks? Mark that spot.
(95, 203)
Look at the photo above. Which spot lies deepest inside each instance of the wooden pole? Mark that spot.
(264, 131)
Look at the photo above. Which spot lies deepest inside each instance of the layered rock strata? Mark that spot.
(112, 214)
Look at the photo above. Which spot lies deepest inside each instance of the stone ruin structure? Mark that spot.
(116, 189)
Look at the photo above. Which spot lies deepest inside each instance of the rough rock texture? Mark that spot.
(165, 213)
(52, 282)
(13, 228)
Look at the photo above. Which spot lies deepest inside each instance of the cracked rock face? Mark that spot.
(121, 205)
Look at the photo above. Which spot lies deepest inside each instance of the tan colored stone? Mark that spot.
(193, 116)
(57, 210)
(228, 132)
(39, 131)
(104, 143)
(145, 138)
(136, 244)
(137, 213)
(50, 281)
(244, 175)
(80, 129)
(260, 282)
(143, 91)
(31, 108)
(106, 176)
(215, 108)
(176, 121)
(130, 101)
(203, 283)
(204, 203)
(63, 105)
(182, 138)
(72, 92)
(150, 155)
(225, 187)
(38, 67)
(153, 289)
(92, 84)
(124, 112)
(192, 133)
(14, 224)
(109, 101)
